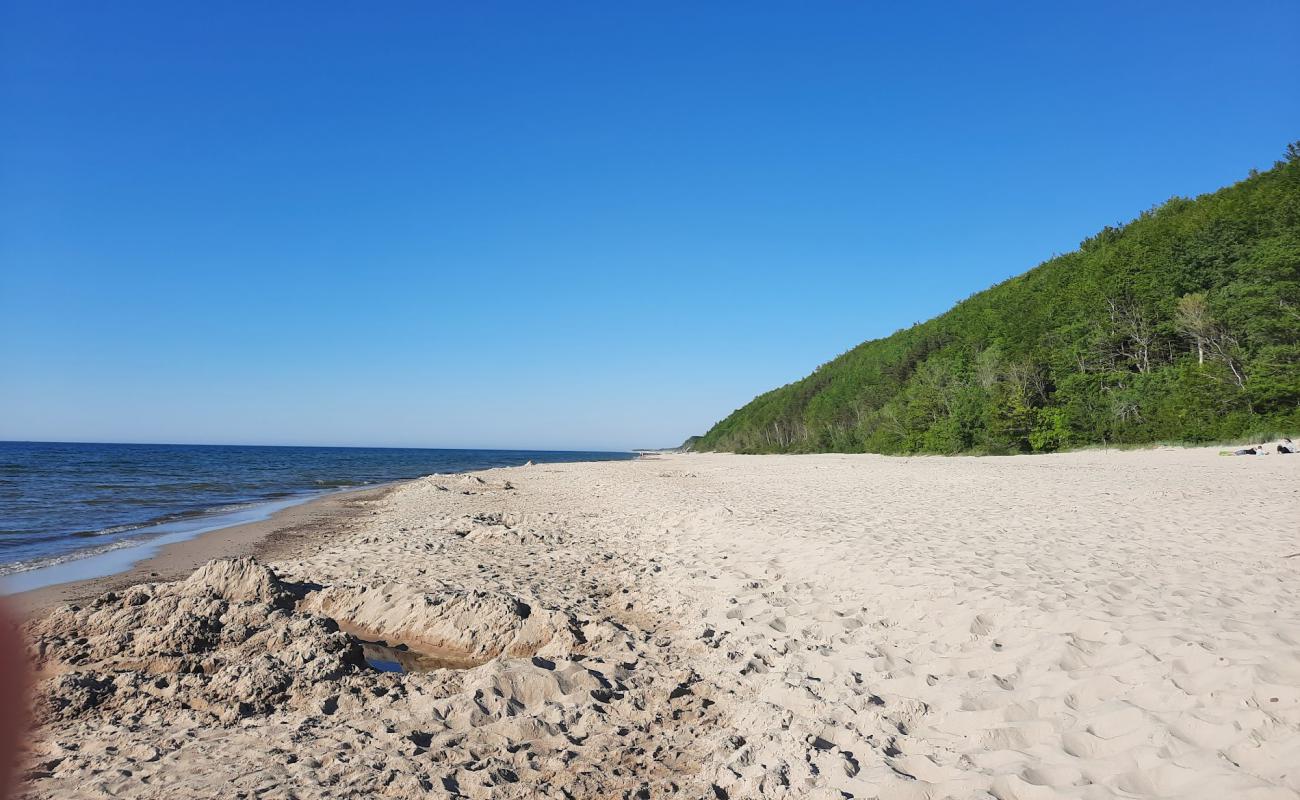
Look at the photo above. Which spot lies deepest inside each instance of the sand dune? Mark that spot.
(1089, 625)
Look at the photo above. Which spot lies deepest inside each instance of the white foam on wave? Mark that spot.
(121, 555)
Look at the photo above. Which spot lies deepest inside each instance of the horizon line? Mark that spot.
(323, 446)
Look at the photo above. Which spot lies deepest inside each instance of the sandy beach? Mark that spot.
(1084, 625)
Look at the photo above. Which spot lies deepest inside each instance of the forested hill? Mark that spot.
(1183, 325)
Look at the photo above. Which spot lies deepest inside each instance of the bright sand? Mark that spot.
(1088, 625)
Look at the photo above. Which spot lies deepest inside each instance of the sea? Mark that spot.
(71, 511)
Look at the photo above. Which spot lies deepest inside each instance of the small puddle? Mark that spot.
(385, 657)
(399, 657)
(390, 659)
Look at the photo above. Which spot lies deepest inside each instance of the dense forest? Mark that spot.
(1183, 325)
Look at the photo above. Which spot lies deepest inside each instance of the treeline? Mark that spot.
(1183, 325)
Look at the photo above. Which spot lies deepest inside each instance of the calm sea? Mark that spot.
(62, 501)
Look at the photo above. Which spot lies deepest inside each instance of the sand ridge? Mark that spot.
(1086, 625)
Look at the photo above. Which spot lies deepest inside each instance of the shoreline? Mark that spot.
(1106, 623)
(265, 539)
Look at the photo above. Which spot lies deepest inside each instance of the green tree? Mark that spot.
(1182, 324)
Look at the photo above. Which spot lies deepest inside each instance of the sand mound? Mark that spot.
(229, 639)
(224, 639)
(234, 678)
(479, 624)
(240, 580)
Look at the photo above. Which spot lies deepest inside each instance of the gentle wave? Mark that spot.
(16, 567)
(144, 534)
(61, 501)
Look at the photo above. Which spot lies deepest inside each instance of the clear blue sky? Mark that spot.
(560, 225)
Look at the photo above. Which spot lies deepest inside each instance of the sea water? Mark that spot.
(93, 509)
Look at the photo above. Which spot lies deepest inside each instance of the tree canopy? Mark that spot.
(1183, 325)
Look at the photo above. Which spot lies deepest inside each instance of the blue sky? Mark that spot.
(560, 225)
